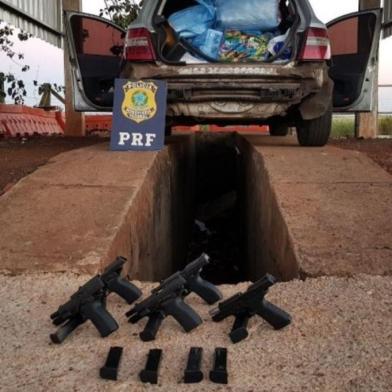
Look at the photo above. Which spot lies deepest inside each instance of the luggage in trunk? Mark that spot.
(227, 31)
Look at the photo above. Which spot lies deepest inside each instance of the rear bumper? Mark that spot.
(226, 92)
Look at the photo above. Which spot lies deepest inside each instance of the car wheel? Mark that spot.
(315, 133)
(279, 129)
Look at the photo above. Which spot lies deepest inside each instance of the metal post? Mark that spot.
(2, 91)
(45, 101)
(366, 124)
(74, 122)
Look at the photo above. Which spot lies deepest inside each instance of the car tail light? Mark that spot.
(138, 46)
(317, 46)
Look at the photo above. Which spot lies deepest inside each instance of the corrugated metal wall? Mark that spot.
(47, 12)
(388, 18)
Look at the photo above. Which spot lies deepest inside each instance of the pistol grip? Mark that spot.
(125, 289)
(151, 329)
(275, 316)
(183, 314)
(100, 317)
(60, 335)
(239, 330)
(204, 289)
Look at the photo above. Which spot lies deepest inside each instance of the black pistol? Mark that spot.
(89, 303)
(243, 306)
(194, 282)
(167, 300)
(115, 283)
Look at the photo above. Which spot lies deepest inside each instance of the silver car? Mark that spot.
(330, 68)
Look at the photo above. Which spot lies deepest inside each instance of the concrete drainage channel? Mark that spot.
(259, 204)
(254, 203)
(202, 193)
(218, 205)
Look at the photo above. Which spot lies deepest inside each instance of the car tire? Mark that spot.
(316, 132)
(279, 129)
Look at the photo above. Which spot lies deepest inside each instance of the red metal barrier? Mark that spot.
(240, 128)
(60, 117)
(104, 123)
(18, 120)
(96, 123)
(262, 129)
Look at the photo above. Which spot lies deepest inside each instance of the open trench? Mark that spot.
(216, 226)
(255, 204)
(210, 194)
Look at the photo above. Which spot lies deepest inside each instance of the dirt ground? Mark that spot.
(379, 150)
(20, 157)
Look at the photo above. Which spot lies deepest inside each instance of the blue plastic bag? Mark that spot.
(276, 44)
(209, 43)
(193, 21)
(261, 15)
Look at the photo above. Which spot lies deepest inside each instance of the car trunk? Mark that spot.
(236, 91)
(205, 31)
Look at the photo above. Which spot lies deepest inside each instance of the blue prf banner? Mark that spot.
(139, 115)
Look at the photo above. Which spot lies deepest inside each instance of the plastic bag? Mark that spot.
(209, 43)
(244, 46)
(276, 44)
(261, 15)
(189, 59)
(193, 21)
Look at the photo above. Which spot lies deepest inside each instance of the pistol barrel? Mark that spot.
(115, 267)
(196, 265)
(263, 284)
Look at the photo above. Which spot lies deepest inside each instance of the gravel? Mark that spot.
(340, 340)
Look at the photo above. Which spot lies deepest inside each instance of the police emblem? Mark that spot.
(139, 102)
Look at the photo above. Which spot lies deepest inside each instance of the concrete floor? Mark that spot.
(335, 203)
(87, 206)
(340, 340)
